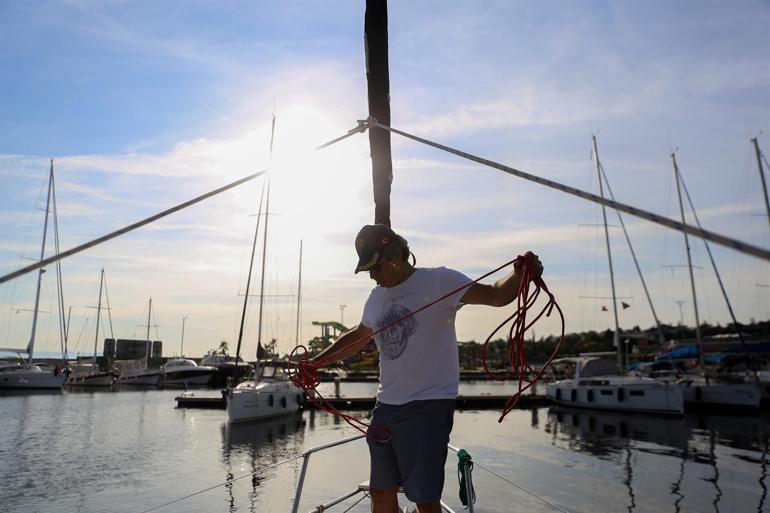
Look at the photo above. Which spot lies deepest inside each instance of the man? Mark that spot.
(419, 364)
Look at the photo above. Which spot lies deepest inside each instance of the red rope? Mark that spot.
(306, 377)
(522, 371)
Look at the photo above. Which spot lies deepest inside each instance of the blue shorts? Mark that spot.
(415, 455)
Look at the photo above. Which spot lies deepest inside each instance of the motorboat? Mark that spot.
(596, 383)
(272, 394)
(228, 367)
(182, 371)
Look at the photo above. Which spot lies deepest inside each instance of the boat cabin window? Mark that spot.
(270, 371)
(593, 382)
(636, 392)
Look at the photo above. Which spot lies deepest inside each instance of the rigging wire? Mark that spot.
(247, 474)
(735, 244)
(43, 262)
(523, 489)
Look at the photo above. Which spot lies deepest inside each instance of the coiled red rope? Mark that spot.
(306, 377)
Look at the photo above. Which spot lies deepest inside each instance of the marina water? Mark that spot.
(132, 450)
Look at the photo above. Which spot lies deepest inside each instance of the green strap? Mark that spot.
(463, 459)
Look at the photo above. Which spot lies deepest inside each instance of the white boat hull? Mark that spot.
(738, 395)
(179, 379)
(144, 379)
(248, 402)
(102, 379)
(25, 378)
(618, 394)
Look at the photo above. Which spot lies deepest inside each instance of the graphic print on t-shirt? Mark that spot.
(394, 340)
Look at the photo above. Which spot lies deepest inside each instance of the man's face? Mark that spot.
(384, 273)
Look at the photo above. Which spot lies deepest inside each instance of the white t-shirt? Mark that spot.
(418, 356)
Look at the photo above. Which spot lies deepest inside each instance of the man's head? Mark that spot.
(377, 242)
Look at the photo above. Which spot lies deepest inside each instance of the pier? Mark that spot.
(464, 402)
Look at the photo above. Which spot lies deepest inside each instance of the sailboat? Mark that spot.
(701, 389)
(28, 375)
(142, 374)
(270, 393)
(597, 383)
(93, 376)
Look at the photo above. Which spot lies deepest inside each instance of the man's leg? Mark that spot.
(385, 501)
(429, 507)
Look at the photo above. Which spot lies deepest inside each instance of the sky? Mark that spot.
(145, 104)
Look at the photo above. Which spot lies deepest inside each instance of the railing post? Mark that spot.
(300, 483)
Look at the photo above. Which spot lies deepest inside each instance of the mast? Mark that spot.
(264, 256)
(63, 323)
(31, 345)
(299, 293)
(636, 261)
(738, 329)
(616, 336)
(98, 316)
(689, 263)
(262, 280)
(248, 280)
(761, 175)
(148, 346)
(378, 93)
(181, 347)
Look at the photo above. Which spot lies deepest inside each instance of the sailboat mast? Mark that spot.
(761, 176)
(299, 293)
(636, 261)
(264, 255)
(616, 336)
(148, 347)
(689, 262)
(31, 345)
(262, 278)
(59, 283)
(98, 315)
(738, 329)
(248, 280)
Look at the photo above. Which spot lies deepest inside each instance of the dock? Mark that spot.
(464, 402)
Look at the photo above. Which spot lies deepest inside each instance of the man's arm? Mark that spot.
(503, 291)
(352, 341)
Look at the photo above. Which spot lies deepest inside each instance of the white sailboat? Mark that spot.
(28, 375)
(142, 375)
(270, 393)
(703, 389)
(92, 376)
(598, 383)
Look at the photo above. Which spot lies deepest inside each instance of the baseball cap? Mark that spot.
(371, 240)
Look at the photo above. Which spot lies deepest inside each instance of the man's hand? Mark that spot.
(537, 268)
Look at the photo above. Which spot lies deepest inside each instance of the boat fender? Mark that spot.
(623, 430)
(271, 400)
(299, 399)
(590, 395)
(573, 395)
(698, 394)
(283, 401)
(558, 394)
(621, 394)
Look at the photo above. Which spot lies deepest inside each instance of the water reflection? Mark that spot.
(719, 450)
(258, 446)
